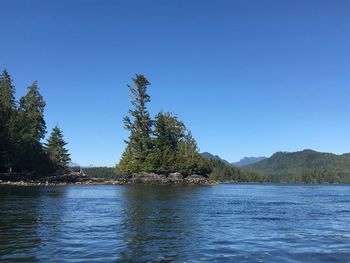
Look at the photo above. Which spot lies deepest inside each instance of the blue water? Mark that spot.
(227, 222)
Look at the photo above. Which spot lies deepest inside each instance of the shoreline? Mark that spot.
(172, 179)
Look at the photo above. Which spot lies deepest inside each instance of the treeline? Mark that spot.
(320, 176)
(22, 129)
(305, 166)
(223, 172)
(97, 172)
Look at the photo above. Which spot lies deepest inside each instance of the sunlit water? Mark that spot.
(246, 223)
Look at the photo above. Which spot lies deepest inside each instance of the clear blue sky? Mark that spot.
(247, 77)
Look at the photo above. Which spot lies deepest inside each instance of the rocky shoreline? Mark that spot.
(135, 179)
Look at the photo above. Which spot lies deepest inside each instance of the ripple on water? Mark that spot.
(222, 223)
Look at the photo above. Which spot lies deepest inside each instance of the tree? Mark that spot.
(27, 128)
(57, 152)
(32, 107)
(168, 132)
(139, 123)
(7, 93)
(7, 111)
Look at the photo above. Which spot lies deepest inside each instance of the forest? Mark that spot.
(307, 166)
(22, 131)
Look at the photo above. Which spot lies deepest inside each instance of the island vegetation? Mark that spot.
(22, 130)
(164, 145)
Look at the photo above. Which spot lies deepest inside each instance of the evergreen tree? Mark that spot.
(57, 152)
(7, 111)
(28, 128)
(169, 131)
(139, 123)
(7, 93)
(32, 108)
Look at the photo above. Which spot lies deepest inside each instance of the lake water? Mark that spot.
(222, 223)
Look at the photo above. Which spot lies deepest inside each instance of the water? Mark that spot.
(246, 223)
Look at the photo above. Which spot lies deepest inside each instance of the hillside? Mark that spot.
(211, 156)
(248, 160)
(304, 166)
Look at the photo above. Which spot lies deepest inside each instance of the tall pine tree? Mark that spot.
(7, 112)
(139, 123)
(32, 106)
(57, 152)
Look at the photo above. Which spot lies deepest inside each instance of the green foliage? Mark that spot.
(21, 130)
(7, 111)
(139, 122)
(162, 145)
(7, 94)
(31, 106)
(305, 166)
(57, 152)
(224, 172)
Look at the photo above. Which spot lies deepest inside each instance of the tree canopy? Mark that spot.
(22, 129)
(161, 145)
(57, 152)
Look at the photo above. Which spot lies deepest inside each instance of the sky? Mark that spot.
(248, 78)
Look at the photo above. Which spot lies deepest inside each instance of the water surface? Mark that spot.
(227, 222)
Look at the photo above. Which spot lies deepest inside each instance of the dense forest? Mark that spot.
(22, 130)
(306, 166)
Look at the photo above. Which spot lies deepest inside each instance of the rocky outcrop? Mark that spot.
(171, 179)
(139, 178)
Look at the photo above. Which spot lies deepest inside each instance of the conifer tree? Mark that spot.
(139, 123)
(32, 108)
(57, 152)
(7, 111)
(7, 93)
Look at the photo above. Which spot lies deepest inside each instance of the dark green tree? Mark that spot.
(139, 124)
(57, 151)
(7, 112)
(168, 132)
(7, 93)
(32, 107)
(28, 128)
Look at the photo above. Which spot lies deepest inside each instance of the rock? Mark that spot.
(175, 176)
(199, 179)
(148, 178)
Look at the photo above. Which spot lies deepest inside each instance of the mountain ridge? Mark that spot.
(287, 166)
(248, 160)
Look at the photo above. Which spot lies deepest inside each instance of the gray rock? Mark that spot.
(175, 176)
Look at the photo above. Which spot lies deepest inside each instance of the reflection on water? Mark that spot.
(150, 212)
(148, 223)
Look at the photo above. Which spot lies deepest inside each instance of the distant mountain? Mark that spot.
(248, 160)
(284, 166)
(213, 157)
(71, 164)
